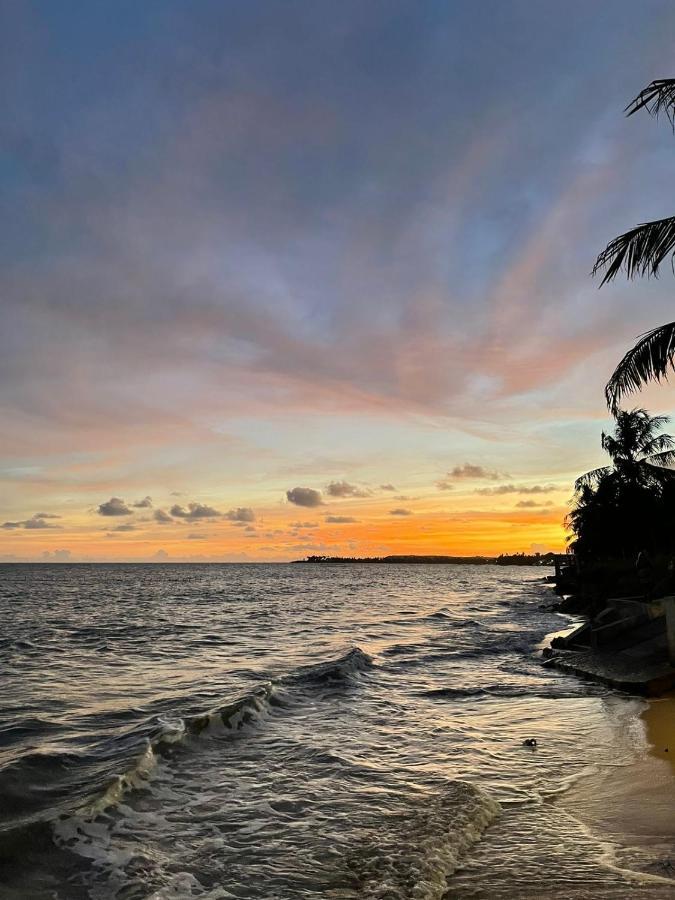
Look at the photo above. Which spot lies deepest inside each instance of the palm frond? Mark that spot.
(658, 473)
(658, 97)
(657, 446)
(665, 458)
(591, 478)
(649, 360)
(638, 252)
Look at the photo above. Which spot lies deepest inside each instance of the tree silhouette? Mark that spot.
(640, 253)
(628, 505)
(637, 451)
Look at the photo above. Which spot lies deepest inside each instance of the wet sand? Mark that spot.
(659, 719)
(607, 834)
(631, 808)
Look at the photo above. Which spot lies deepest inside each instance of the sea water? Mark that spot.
(297, 731)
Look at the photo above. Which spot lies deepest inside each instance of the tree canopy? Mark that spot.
(628, 505)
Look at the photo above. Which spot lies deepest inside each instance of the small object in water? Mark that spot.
(530, 742)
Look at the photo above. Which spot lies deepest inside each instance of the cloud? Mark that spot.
(340, 520)
(194, 511)
(114, 507)
(445, 485)
(241, 514)
(399, 511)
(235, 325)
(533, 504)
(197, 537)
(145, 503)
(127, 527)
(36, 521)
(162, 517)
(471, 472)
(57, 555)
(304, 496)
(160, 556)
(345, 489)
(387, 487)
(516, 489)
(304, 525)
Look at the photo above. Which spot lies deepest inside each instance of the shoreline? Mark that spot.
(608, 832)
(628, 808)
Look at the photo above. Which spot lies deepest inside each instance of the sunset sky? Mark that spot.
(283, 278)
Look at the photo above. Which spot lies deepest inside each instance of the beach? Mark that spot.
(617, 812)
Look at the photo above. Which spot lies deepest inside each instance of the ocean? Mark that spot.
(299, 731)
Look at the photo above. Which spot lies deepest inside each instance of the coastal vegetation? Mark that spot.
(625, 511)
(505, 559)
(629, 505)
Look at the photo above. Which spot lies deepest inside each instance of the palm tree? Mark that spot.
(628, 505)
(637, 451)
(640, 252)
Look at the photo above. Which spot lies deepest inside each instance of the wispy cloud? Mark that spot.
(517, 489)
(36, 522)
(345, 489)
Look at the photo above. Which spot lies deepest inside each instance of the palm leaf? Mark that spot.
(591, 478)
(648, 360)
(658, 473)
(657, 446)
(658, 97)
(666, 458)
(639, 251)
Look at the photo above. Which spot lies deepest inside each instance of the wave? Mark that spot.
(91, 785)
(243, 714)
(420, 848)
(547, 692)
(340, 670)
(452, 620)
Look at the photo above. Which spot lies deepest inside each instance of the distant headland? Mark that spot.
(512, 559)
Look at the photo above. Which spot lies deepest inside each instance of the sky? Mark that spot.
(286, 278)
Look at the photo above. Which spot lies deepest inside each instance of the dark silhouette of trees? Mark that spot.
(627, 506)
(640, 253)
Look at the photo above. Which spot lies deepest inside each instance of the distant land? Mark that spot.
(513, 559)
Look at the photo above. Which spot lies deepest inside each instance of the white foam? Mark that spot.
(413, 859)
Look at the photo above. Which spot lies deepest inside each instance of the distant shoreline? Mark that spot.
(516, 559)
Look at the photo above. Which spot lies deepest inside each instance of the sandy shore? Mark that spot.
(659, 719)
(632, 807)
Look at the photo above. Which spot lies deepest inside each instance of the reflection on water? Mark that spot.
(293, 731)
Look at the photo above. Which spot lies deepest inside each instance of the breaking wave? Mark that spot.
(421, 847)
(86, 795)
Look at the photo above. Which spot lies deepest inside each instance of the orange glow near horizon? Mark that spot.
(465, 526)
